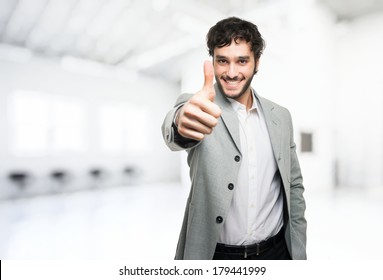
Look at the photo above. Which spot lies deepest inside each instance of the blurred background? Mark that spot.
(85, 85)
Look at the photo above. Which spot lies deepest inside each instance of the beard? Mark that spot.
(241, 92)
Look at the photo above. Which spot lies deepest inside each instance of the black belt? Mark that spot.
(251, 249)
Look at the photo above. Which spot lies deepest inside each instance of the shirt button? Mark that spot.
(219, 219)
(230, 186)
(237, 158)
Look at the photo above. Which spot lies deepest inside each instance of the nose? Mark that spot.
(232, 71)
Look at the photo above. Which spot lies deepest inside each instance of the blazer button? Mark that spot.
(230, 186)
(237, 158)
(219, 219)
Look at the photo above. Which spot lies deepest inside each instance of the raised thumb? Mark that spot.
(208, 86)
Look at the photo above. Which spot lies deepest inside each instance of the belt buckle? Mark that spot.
(257, 250)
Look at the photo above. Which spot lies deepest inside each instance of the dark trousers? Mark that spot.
(277, 251)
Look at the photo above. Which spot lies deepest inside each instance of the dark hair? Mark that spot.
(225, 31)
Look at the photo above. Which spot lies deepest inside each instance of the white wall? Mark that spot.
(359, 101)
(156, 164)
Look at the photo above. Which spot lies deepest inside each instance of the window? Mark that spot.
(43, 124)
(111, 129)
(67, 124)
(28, 113)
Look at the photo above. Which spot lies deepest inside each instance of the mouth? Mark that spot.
(232, 83)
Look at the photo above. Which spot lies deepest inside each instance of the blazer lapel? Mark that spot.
(273, 125)
(229, 117)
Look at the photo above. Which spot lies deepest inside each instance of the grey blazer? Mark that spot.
(214, 164)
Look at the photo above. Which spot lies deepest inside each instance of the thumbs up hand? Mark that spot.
(208, 87)
(200, 114)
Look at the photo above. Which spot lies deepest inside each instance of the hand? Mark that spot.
(200, 114)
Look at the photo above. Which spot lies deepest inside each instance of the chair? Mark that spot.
(98, 175)
(130, 174)
(19, 178)
(60, 177)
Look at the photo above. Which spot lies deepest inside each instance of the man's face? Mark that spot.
(234, 68)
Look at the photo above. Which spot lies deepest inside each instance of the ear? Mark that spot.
(256, 66)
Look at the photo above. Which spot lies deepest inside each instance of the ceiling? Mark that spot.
(351, 9)
(142, 35)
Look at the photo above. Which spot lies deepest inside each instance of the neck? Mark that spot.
(246, 99)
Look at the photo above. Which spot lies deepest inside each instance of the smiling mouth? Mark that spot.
(232, 82)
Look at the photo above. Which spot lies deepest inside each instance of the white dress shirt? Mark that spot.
(256, 211)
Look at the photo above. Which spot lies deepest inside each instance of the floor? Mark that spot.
(143, 222)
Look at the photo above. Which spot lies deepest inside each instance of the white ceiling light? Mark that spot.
(159, 5)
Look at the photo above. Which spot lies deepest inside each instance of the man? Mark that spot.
(246, 199)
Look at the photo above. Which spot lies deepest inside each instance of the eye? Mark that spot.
(242, 61)
(221, 61)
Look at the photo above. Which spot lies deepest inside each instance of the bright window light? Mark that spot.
(111, 129)
(68, 125)
(42, 124)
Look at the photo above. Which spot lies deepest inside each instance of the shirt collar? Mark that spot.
(237, 105)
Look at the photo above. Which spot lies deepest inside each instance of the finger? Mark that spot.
(208, 71)
(203, 119)
(203, 111)
(195, 125)
(202, 102)
(211, 108)
(191, 134)
(208, 87)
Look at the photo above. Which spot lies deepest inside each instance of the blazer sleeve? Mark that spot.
(170, 132)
